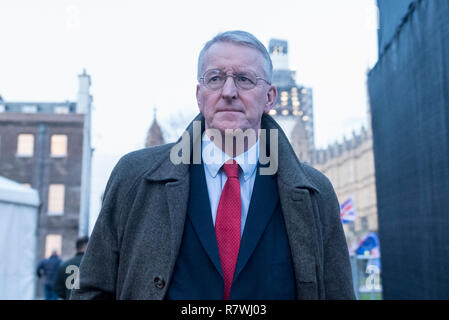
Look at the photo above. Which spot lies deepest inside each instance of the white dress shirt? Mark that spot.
(213, 160)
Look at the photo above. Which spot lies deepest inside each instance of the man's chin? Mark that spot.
(226, 126)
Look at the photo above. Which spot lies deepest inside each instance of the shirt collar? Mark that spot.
(214, 158)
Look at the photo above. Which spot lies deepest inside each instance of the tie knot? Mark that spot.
(231, 169)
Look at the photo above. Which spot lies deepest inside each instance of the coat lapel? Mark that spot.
(300, 225)
(263, 202)
(200, 214)
(177, 195)
(294, 193)
(176, 181)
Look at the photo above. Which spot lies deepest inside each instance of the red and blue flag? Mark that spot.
(347, 211)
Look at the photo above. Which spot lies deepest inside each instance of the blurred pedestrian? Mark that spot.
(48, 268)
(69, 268)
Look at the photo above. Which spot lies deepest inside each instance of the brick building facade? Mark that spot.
(46, 146)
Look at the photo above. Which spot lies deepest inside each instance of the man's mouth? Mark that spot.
(229, 110)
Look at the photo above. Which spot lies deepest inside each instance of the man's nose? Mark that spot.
(229, 90)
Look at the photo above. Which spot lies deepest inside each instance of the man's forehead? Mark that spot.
(232, 56)
(230, 49)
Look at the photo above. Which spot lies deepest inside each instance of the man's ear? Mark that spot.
(198, 98)
(271, 99)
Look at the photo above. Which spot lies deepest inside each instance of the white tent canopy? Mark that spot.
(13, 192)
(18, 222)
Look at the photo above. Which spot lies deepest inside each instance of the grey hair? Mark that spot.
(242, 38)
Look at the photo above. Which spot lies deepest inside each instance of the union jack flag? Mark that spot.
(347, 211)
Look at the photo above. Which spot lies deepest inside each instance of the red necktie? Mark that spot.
(228, 224)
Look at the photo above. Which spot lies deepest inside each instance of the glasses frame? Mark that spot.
(233, 76)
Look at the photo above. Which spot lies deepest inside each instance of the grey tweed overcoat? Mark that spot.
(137, 236)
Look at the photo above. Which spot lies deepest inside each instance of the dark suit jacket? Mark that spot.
(264, 267)
(135, 243)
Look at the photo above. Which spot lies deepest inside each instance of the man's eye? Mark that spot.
(244, 79)
(215, 79)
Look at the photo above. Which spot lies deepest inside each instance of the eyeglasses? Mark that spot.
(215, 79)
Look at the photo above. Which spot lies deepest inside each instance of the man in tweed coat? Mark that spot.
(156, 235)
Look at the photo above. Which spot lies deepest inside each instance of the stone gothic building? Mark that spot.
(348, 165)
(350, 168)
(154, 134)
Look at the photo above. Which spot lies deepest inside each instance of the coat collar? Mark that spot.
(294, 193)
(214, 158)
(290, 170)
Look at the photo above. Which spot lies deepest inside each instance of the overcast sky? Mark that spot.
(143, 54)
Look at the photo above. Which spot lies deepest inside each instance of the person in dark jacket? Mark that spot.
(48, 268)
(209, 217)
(67, 275)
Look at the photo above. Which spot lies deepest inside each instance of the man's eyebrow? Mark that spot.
(243, 71)
(236, 68)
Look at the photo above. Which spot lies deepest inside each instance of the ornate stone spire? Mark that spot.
(299, 140)
(154, 135)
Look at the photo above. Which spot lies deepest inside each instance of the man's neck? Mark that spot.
(234, 144)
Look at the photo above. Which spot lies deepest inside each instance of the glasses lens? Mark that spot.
(245, 80)
(214, 79)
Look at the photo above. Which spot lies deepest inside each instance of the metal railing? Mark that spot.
(366, 277)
